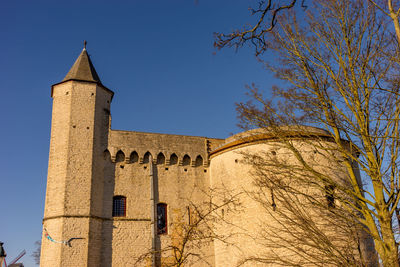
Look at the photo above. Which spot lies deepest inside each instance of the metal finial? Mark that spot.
(84, 44)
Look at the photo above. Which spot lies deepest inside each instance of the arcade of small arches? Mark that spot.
(160, 159)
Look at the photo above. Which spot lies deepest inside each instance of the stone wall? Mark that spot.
(75, 176)
(256, 228)
(89, 164)
(180, 167)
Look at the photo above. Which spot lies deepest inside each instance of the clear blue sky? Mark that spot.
(158, 58)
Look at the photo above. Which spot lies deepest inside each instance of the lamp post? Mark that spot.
(2, 254)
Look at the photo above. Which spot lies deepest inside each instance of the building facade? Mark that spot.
(125, 198)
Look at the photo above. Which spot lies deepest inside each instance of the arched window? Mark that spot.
(120, 157)
(173, 159)
(119, 206)
(160, 158)
(162, 220)
(186, 160)
(146, 157)
(107, 155)
(199, 161)
(134, 157)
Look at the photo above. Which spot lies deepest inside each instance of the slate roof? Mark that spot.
(83, 69)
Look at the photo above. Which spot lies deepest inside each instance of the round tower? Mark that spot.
(257, 231)
(72, 222)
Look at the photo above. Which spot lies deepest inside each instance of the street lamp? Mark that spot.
(2, 254)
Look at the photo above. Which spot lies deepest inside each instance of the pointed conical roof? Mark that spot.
(83, 69)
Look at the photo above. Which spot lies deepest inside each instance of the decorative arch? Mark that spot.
(199, 161)
(120, 156)
(173, 159)
(107, 155)
(134, 157)
(160, 158)
(186, 160)
(146, 157)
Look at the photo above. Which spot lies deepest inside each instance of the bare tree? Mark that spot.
(268, 12)
(307, 224)
(36, 253)
(339, 60)
(391, 9)
(193, 233)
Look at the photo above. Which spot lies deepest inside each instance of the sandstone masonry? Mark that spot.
(94, 170)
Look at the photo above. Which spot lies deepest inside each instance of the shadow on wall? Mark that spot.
(108, 193)
(110, 164)
(156, 237)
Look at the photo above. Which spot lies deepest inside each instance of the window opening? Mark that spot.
(134, 157)
(329, 195)
(119, 206)
(273, 204)
(160, 158)
(199, 161)
(162, 218)
(186, 160)
(189, 215)
(120, 157)
(173, 159)
(146, 157)
(107, 155)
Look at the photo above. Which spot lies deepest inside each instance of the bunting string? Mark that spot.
(46, 234)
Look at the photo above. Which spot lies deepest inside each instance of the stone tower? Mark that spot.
(79, 136)
(103, 210)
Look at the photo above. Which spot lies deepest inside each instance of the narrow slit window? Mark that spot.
(119, 206)
(189, 215)
(329, 195)
(162, 221)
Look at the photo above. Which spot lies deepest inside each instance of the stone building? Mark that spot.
(115, 196)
